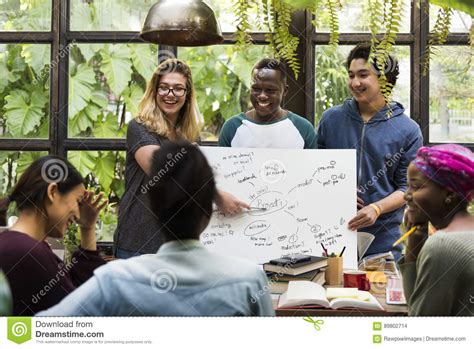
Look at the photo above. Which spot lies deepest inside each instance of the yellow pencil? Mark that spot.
(404, 236)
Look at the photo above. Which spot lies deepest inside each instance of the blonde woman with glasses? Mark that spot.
(167, 111)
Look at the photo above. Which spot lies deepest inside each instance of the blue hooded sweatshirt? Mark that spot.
(385, 146)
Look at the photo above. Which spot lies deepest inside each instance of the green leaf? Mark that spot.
(83, 161)
(105, 169)
(100, 98)
(116, 66)
(80, 88)
(26, 159)
(84, 119)
(460, 5)
(24, 112)
(132, 96)
(88, 50)
(37, 56)
(144, 60)
(107, 128)
(3, 73)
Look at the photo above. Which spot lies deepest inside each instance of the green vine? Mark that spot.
(439, 35)
(376, 15)
(393, 18)
(276, 16)
(285, 44)
(333, 8)
(242, 9)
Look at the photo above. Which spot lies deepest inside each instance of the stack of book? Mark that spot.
(295, 268)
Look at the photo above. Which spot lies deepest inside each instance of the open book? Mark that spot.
(307, 293)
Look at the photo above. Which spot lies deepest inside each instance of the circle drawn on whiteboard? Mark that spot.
(256, 228)
(273, 171)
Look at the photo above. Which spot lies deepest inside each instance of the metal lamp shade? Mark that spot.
(181, 23)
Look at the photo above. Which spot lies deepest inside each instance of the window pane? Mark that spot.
(451, 95)
(460, 22)
(25, 15)
(109, 15)
(24, 90)
(106, 83)
(331, 78)
(221, 76)
(12, 165)
(355, 17)
(103, 171)
(227, 18)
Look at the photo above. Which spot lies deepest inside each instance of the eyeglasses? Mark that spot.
(177, 91)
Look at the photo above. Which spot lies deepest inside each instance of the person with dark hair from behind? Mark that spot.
(386, 141)
(268, 125)
(50, 196)
(183, 278)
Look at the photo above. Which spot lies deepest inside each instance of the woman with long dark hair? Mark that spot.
(49, 197)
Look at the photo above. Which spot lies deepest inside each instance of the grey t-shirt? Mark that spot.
(138, 230)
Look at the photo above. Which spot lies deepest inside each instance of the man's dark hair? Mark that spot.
(181, 189)
(363, 51)
(273, 64)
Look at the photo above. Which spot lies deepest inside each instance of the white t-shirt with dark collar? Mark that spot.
(291, 132)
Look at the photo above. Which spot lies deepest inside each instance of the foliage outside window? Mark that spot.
(451, 96)
(221, 76)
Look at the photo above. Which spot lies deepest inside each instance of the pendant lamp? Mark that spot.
(181, 23)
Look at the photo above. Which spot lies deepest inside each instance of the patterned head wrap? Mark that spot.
(449, 165)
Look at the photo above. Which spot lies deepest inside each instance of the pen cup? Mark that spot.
(334, 274)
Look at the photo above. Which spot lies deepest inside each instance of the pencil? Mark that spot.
(404, 236)
(324, 249)
(343, 249)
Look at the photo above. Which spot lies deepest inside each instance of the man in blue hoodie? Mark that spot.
(386, 141)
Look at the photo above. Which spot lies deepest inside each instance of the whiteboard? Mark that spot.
(310, 195)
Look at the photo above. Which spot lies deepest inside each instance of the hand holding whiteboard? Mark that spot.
(308, 197)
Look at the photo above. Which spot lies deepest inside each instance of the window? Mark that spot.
(72, 91)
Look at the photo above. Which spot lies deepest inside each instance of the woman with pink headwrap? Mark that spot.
(438, 270)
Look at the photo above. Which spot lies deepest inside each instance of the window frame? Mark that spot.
(300, 98)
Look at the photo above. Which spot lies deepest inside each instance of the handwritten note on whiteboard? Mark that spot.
(309, 196)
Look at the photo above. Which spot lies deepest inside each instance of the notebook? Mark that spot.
(309, 294)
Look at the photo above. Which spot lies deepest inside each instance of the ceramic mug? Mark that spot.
(357, 279)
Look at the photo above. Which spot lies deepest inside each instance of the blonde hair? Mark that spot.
(154, 119)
